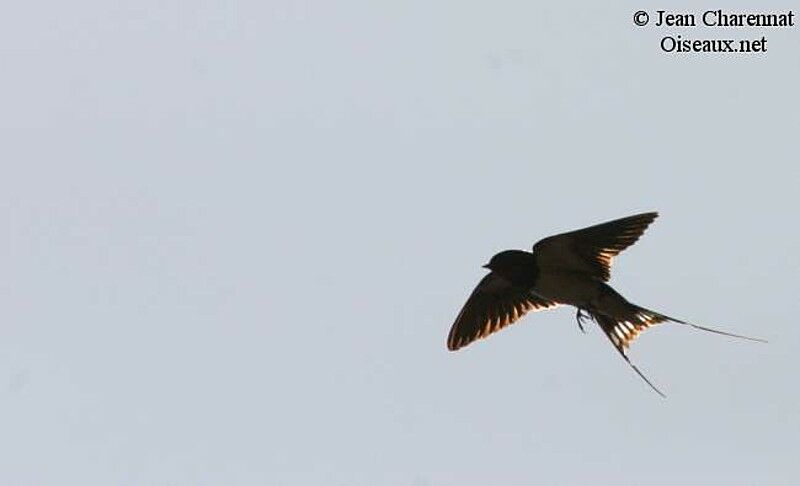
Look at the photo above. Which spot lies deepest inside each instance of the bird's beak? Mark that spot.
(486, 266)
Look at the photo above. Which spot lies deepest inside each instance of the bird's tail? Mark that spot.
(630, 320)
(622, 332)
(647, 314)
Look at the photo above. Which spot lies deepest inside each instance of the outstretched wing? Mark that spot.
(591, 250)
(493, 305)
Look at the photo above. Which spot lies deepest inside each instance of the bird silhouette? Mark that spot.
(566, 269)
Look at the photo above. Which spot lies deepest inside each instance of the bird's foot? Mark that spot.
(580, 316)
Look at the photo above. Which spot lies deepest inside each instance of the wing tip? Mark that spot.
(647, 217)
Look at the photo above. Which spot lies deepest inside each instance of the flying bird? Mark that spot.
(566, 269)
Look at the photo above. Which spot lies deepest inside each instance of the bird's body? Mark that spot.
(570, 288)
(566, 269)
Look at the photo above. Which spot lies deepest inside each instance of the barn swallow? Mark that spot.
(566, 269)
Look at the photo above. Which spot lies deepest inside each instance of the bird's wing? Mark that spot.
(493, 305)
(591, 250)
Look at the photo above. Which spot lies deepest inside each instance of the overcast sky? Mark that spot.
(235, 236)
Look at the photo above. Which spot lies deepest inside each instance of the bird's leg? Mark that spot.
(580, 316)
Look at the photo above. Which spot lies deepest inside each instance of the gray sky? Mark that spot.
(237, 233)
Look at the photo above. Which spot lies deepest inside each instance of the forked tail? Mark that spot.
(624, 327)
(663, 318)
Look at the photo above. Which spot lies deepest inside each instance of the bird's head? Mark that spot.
(508, 261)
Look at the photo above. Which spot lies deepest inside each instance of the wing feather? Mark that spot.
(591, 250)
(492, 306)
